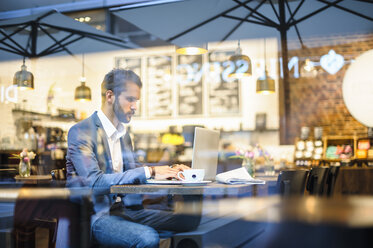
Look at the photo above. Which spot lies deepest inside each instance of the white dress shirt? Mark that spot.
(113, 137)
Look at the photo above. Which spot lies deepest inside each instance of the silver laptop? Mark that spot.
(205, 155)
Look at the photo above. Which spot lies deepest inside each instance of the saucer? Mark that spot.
(191, 183)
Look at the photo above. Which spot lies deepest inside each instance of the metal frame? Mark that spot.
(282, 24)
(59, 44)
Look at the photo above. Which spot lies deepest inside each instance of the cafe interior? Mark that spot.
(286, 84)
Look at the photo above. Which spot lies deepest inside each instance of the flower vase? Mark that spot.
(24, 168)
(249, 165)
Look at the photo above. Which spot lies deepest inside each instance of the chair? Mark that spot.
(331, 179)
(316, 180)
(67, 221)
(292, 182)
(228, 164)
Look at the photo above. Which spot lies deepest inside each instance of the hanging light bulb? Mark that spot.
(23, 78)
(265, 84)
(242, 63)
(82, 92)
(192, 49)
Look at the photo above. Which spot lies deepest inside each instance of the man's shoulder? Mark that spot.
(85, 125)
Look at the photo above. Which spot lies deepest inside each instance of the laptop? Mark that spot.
(205, 156)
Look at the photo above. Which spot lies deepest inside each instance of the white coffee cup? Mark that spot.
(192, 175)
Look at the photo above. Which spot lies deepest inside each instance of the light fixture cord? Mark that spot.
(83, 65)
(23, 60)
(265, 56)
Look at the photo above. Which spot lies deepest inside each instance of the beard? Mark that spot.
(120, 114)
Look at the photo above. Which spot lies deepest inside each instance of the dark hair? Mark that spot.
(117, 79)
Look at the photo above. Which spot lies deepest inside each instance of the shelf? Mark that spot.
(45, 115)
(340, 141)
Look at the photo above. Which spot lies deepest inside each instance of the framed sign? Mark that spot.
(159, 82)
(223, 93)
(189, 80)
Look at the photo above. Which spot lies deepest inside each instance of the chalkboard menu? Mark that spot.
(223, 92)
(159, 81)
(189, 80)
(133, 64)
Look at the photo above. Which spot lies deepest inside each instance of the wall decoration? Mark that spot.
(159, 86)
(332, 62)
(189, 72)
(223, 93)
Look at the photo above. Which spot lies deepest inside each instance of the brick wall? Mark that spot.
(317, 100)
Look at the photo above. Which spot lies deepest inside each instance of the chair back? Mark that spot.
(316, 180)
(292, 182)
(331, 179)
(228, 165)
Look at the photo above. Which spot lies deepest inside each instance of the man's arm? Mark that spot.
(81, 153)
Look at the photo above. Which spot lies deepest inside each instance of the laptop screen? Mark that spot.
(205, 151)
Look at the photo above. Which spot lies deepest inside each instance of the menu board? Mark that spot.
(223, 92)
(159, 79)
(133, 64)
(189, 79)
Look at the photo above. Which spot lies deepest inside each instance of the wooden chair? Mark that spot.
(292, 182)
(316, 180)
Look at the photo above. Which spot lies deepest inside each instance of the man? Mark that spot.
(100, 155)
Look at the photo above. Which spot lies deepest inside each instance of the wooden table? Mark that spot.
(209, 189)
(214, 188)
(34, 179)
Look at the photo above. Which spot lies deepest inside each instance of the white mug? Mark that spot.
(192, 175)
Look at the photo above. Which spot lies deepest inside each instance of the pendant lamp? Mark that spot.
(192, 49)
(23, 78)
(265, 84)
(82, 92)
(242, 64)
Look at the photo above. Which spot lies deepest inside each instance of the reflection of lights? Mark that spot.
(308, 65)
(239, 75)
(191, 50)
(310, 205)
(167, 77)
(83, 19)
(58, 89)
(332, 62)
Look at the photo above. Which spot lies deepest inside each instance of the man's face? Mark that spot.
(125, 104)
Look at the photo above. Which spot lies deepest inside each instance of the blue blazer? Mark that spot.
(89, 164)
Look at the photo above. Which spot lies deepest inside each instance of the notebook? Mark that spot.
(205, 156)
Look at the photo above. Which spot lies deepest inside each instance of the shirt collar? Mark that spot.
(109, 128)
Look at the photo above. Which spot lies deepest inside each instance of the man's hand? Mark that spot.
(180, 166)
(168, 172)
